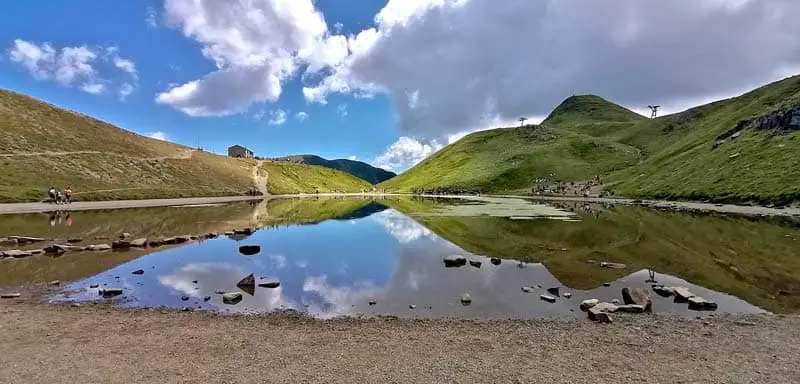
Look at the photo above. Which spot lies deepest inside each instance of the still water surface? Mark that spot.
(333, 257)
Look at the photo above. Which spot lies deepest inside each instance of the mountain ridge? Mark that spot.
(360, 169)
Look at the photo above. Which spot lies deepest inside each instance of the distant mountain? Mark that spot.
(741, 149)
(358, 169)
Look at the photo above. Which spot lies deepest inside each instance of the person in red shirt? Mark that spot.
(68, 194)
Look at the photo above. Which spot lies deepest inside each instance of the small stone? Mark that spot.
(412, 306)
(75, 305)
(99, 247)
(554, 291)
(615, 301)
(698, 303)
(94, 285)
(74, 240)
(663, 291)
(567, 295)
(109, 292)
(138, 272)
(121, 244)
(527, 289)
(220, 292)
(124, 235)
(631, 308)
(139, 243)
(248, 284)
(184, 298)
(229, 233)
(521, 265)
(10, 295)
(466, 299)
(496, 261)
(475, 263)
(637, 296)
(682, 293)
(54, 283)
(269, 283)
(373, 301)
(231, 297)
(207, 298)
(606, 264)
(548, 298)
(599, 316)
(249, 250)
(783, 293)
(194, 281)
(606, 284)
(586, 304)
(454, 261)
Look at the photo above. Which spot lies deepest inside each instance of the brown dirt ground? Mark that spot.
(41, 343)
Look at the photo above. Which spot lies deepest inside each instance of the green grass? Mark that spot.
(293, 211)
(701, 249)
(668, 157)
(359, 169)
(115, 163)
(291, 178)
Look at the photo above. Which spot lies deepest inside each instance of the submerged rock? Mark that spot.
(527, 289)
(207, 298)
(682, 294)
(698, 303)
(496, 260)
(548, 298)
(10, 295)
(606, 264)
(110, 292)
(475, 263)
(454, 261)
(231, 297)
(663, 291)
(586, 304)
(554, 291)
(184, 298)
(466, 299)
(372, 301)
(249, 250)
(248, 284)
(138, 272)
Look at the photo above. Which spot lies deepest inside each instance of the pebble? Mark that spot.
(527, 289)
(466, 299)
(412, 306)
(184, 298)
(94, 286)
(138, 272)
(567, 295)
(207, 298)
(373, 301)
(548, 298)
(54, 283)
(10, 295)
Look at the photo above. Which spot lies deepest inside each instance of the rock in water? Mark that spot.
(249, 250)
(600, 312)
(412, 306)
(548, 298)
(682, 294)
(586, 304)
(554, 291)
(606, 264)
(124, 235)
(121, 244)
(184, 298)
(99, 247)
(231, 297)
(207, 298)
(637, 296)
(17, 254)
(466, 299)
(631, 308)
(269, 283)
(663, 291)
(496, 260)
(475, 263)
(10, 295)
(527, 289)
(94, 285)
(567, 295)
(606, 284)
(138, 272)
(110, 292)
(248, 284)
(698, 303)
(372, 301)
(54, 283)
(455, 261)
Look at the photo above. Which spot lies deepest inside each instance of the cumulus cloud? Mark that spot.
(446, 65)
(158, 135)
(277, 117)
(405, 152)
(301, 116)
(256, 46)
(82, 66)
(353, 157)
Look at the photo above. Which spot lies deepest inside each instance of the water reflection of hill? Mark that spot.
(754, 260)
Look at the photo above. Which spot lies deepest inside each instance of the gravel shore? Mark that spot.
(94, 343)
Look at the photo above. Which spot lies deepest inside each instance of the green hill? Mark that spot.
(740, 149)
(43, 145)
(359, 169)
(290, 178)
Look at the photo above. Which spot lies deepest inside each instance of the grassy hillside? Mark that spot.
(290, 178)
(745, 148)
(511, 159)
(43, 145)
(358, 169)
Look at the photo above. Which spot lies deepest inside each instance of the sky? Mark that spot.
(386, 82)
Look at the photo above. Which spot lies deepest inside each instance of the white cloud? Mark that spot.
(448, 64)
(68, 66)
(159, 136)
(277, 117)
(151, 18)
(404, 229)
(337, 28)
(125, 90)
(341, 110)
(301, 116)
(354, 157)
(93, 88)
(256, 46)
(405, 153)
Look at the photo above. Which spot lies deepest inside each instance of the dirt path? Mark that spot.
(260, 177)
(58, 344)
(14, 208)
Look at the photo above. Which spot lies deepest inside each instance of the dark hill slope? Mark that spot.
(360, 169)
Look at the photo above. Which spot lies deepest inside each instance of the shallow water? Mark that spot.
(333, 256)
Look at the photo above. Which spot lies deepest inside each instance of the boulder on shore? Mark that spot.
(17, 254)
(637, 296)
(631, 308)
(589, 303)
(98, 247)
(454, 261)
(496, 260)
(600, 312)
(155, 243)
(249, 250)
(139, 243)
(10, 295)
(121, 244)
(26, 239)
(6, 242)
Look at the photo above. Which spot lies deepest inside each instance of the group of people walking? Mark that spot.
(60, 197)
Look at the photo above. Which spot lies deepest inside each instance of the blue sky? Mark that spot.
(387, 81)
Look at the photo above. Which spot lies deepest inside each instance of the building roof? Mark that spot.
(238, 146)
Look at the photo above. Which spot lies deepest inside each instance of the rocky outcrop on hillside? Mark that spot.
(780, 123)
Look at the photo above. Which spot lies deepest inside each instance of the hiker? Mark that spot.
(59, 197)
(52, 193)
(68, 195)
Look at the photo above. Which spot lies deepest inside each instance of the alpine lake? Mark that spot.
(358, 256)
